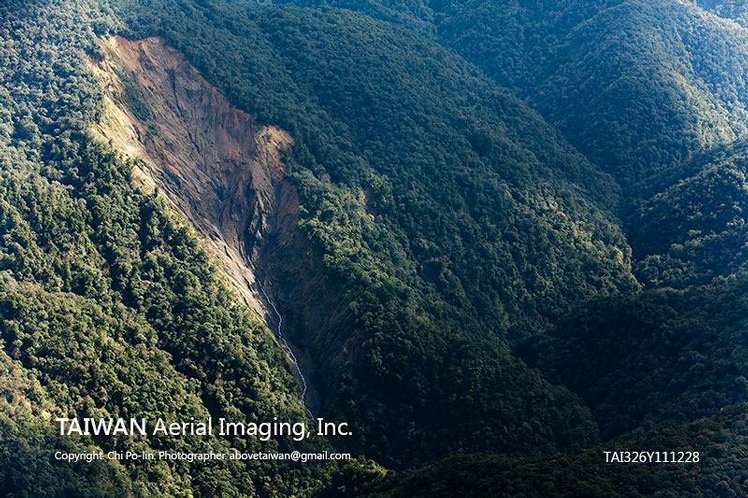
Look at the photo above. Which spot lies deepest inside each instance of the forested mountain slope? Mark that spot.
(402, 303)
(434, 218)
(729, 9)
(425, 234)
(657, 358)
(695, 230)
(108, 307)
(654, 93)
(639, 87)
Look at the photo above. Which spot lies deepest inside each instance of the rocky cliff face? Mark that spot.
(215, 164)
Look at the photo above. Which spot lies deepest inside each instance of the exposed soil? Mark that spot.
(217, 166)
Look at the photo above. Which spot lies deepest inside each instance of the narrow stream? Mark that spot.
(286, 345)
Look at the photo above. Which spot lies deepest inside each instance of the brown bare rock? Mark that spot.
(214, 163)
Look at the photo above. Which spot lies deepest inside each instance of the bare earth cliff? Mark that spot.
(216, 165)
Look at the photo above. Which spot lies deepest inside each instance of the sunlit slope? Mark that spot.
(108, 306)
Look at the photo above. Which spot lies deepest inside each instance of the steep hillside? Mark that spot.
(179, 177)
(646, 90)
(654, 93)
(108, 307)
(220, 169)
(658, 358)
(434, 219)
(638, 87)
(736, 10)
(695, 230)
